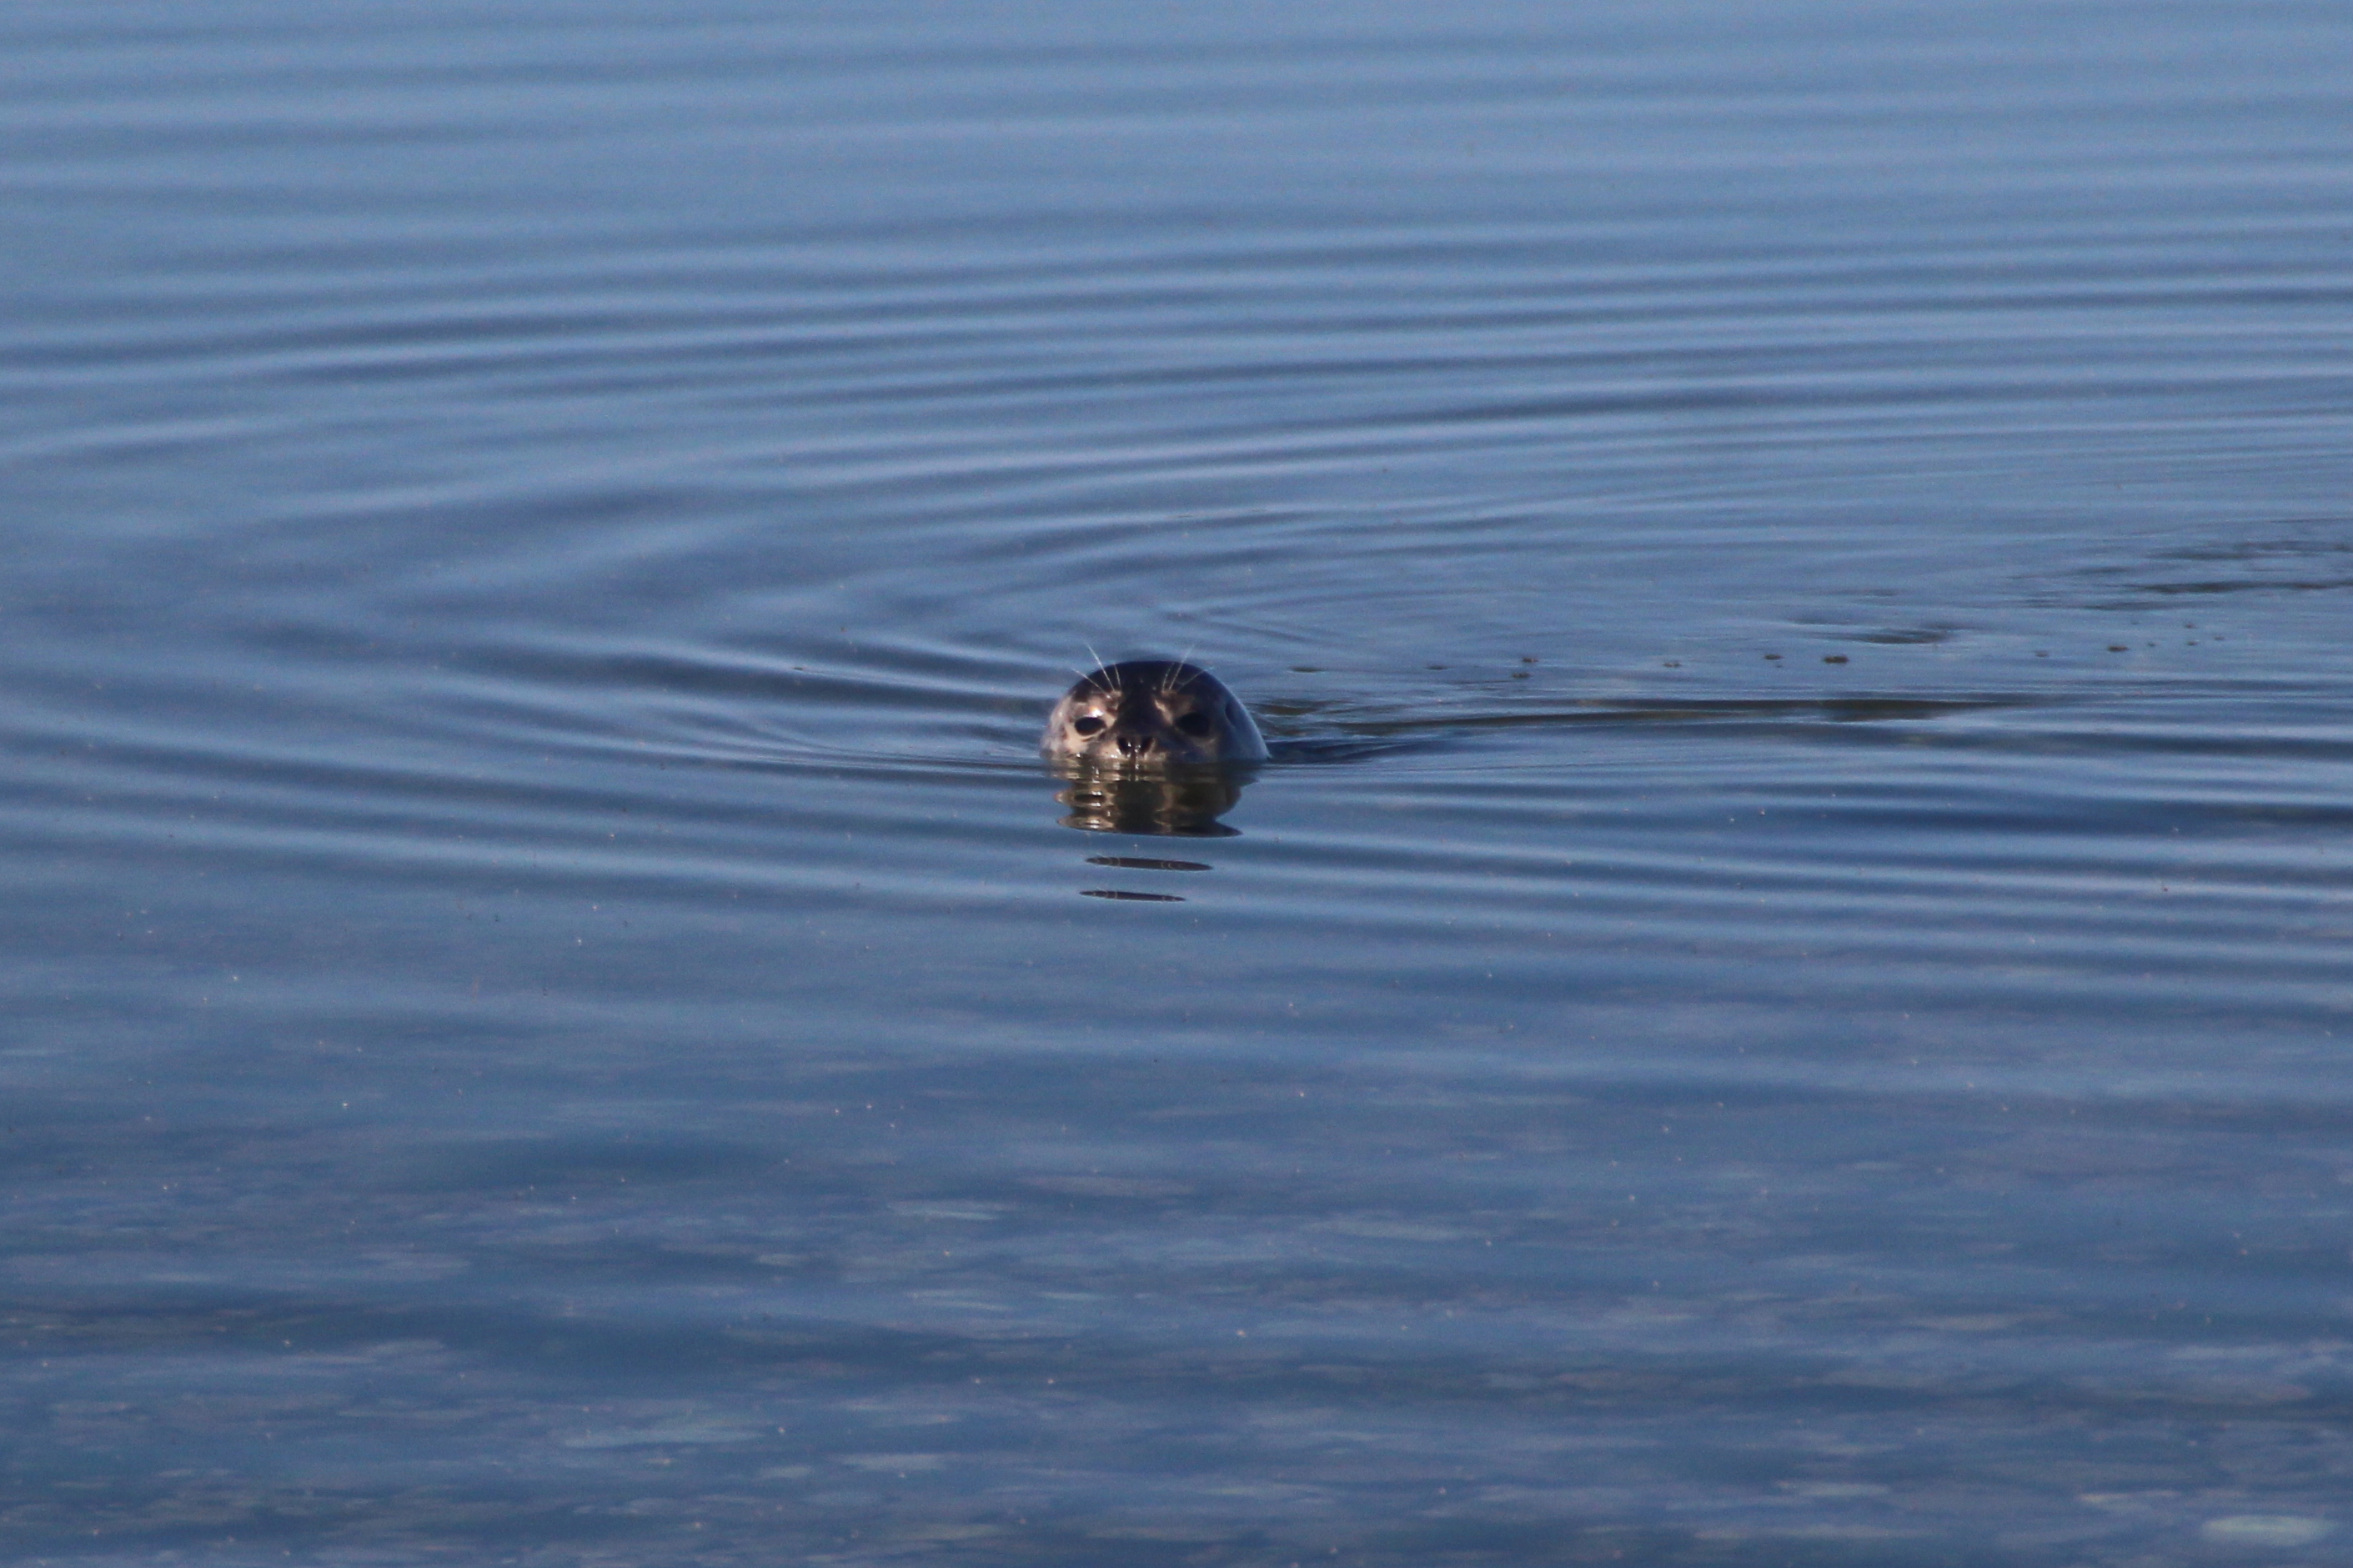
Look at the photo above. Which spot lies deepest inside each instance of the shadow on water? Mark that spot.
(1191, 804)
(1176, 805)
(1353, 737)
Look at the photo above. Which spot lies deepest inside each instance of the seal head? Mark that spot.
(1151, 716)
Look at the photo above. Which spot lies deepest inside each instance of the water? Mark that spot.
(1784, 1000)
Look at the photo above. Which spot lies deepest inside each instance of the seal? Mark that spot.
(1151, 716)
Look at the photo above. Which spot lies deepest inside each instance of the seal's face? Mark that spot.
(1150, 715)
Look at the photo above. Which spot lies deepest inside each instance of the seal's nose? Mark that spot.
(1133, 745)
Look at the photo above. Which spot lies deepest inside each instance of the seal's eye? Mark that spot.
(1086, 724)
(1195, 724)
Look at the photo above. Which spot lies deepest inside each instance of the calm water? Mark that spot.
(1786, 999)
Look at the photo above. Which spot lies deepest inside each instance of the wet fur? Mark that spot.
(1151, 715)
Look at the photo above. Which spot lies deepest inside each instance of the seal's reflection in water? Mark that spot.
(1176, 803)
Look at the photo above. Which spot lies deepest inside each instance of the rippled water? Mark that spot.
(1785, 996)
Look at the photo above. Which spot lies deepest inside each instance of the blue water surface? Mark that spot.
(1785, 999)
